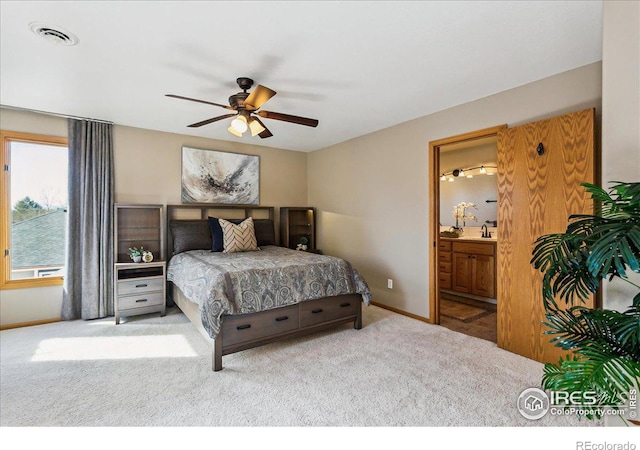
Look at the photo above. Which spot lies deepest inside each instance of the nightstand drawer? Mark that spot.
(314, 312)
(140, 301)
(140, 285)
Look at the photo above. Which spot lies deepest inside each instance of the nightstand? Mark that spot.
(139, 288)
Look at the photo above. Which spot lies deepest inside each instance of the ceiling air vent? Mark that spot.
(53, 34)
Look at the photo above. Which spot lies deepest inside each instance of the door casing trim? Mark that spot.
(434, 211)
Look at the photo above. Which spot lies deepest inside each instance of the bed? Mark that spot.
(243, 300)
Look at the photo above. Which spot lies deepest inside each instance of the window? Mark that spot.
(33, 209)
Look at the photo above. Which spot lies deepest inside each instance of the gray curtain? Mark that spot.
(88, 282)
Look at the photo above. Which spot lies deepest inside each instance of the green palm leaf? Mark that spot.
(605, 343)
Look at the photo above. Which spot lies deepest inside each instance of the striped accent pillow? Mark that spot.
(238, 238)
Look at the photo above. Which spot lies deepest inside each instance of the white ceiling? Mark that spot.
(357, 67)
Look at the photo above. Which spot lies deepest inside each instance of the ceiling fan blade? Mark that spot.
(208, 121)
(199, 101)
(258, 97)
(288, 118)
(266, 133)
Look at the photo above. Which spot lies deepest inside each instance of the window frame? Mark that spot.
(7, 137)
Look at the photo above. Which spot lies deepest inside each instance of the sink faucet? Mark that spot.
(485, 231)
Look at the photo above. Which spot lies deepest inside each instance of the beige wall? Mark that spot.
(148, 167)
(621, 113)
(372, 192)
(147, 170)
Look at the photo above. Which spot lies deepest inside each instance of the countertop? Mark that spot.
(470, 238)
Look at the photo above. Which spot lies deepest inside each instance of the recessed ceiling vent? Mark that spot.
(53, 34)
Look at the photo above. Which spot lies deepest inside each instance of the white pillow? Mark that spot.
(238, 238)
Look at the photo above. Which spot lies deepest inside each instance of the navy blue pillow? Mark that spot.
(216, 235)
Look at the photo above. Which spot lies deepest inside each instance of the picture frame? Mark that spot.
(217, 177)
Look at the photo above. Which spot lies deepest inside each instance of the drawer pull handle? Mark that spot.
(280, 319)
(141, 285)
(142, 300)
(316, 311)
(344, 305)
(243, 327)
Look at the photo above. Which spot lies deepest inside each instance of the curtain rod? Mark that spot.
(66, 116)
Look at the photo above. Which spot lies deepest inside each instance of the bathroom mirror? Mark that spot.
(468, 175)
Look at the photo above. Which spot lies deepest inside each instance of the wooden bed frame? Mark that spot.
(245, 331)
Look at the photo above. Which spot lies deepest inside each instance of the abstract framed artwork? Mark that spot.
(210, 176)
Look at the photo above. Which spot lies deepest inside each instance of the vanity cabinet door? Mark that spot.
(484, 276)
(474, 274)
(462, 268)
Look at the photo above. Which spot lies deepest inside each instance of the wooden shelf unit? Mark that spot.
(295, 223)
(136, 226)
(139, 288)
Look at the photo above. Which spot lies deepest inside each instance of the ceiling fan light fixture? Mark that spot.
(239, 124)
(246, 104)
(234, 132)
(255, 127)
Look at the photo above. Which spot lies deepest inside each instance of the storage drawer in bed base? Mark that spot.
(253, 327)
(235, 336)
(271, 325)
(240, 346)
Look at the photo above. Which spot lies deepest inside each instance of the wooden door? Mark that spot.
(483, 275)
(536, 195)
(461, 272)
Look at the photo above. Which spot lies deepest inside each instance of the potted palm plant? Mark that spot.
(605, 344)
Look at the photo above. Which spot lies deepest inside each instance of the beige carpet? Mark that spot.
(155, 371)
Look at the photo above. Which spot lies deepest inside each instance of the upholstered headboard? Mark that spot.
(188, 225)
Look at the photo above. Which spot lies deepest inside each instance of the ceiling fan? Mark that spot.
(246, 106)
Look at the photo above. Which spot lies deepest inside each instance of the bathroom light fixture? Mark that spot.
(468, 173)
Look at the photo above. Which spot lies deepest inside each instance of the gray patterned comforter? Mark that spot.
(247, 282)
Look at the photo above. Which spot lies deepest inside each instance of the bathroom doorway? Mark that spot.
(464, 233)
